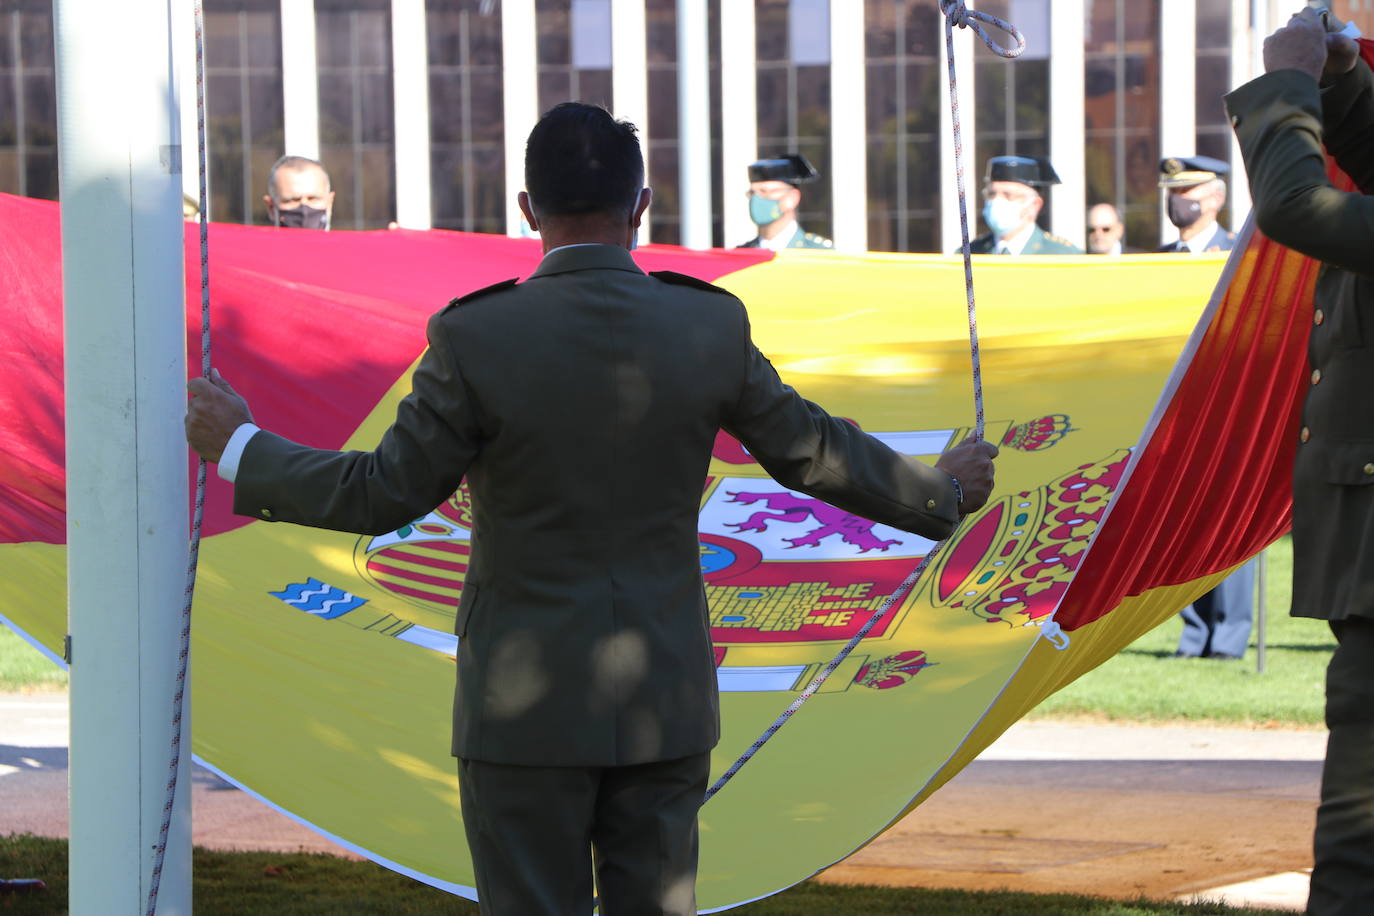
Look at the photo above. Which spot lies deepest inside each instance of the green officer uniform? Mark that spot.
(802, 239)
(794, 170)
(1037, 175)
(1040, 242)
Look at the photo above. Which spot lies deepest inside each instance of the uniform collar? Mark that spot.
(586, 257)
(1200, 242)
(1017, 244)
(783, 239)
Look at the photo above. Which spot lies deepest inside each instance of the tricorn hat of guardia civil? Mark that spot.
(793, 169)
(1030, 170)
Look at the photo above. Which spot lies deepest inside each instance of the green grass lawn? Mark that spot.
(23, 668)
(1145, 683)
(254, 883)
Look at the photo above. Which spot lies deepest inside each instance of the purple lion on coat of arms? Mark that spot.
(792, 508)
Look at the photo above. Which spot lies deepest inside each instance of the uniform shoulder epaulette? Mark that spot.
(1060, 239)
(819, 240)
(478, 293)
(677, 279)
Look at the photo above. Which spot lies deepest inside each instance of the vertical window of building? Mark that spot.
(665, 221)
(1013, 95)
(793, 54)
(574, 52)
(1213, 82)
(357, 137)
(1121, 114)
(904, 86)
(28, 100)
(243, 105)
(467, 139)
(665, 226)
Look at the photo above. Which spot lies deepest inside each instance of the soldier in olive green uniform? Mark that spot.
(1282, 120)
(1012, 199)
(774, 198)
(582, 405)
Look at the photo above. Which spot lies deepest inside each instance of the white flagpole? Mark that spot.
(127, 519)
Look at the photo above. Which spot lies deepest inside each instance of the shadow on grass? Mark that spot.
(262, 883)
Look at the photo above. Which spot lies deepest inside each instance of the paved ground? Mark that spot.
(1111, 810)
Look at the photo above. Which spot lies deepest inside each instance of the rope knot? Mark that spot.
(958, 14)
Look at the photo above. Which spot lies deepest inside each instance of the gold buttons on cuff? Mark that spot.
(930, 504)
(266, 513)
(1369, 468)
(1318, 317)
(1316, 376)
(1305, 434)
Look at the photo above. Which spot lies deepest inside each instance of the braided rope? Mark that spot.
(955, 14)
(184, 654)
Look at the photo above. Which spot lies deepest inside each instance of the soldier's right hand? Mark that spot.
(971, 463)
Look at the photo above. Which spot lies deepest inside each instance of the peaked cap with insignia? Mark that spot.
(1188, 171)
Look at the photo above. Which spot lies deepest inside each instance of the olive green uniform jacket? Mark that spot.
(582, 406)
(1281, 120)
(1040, 242)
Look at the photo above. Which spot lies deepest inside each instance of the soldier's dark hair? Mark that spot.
(580, 160)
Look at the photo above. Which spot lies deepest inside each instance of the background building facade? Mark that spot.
(419, 108)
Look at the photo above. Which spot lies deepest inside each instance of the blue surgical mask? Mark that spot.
(764, 210)
(1003, 216)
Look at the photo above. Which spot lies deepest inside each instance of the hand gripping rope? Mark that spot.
(956, 14)
(184, 654)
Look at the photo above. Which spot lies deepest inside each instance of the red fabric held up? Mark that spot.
(311, 327)
(1214, 482)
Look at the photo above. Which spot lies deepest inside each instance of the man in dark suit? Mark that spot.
(1195, 191)
(1013, 196)
(1317, 90)
(582, 406)
(775, 197)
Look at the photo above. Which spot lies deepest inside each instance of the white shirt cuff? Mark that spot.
(228, 467)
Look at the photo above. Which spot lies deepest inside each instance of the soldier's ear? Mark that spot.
(527, 208)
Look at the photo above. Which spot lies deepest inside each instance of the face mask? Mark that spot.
(764, 210)
(1183, 211)
(303, 217)
(1003, 216)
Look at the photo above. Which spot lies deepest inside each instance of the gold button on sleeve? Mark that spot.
(266, 513)
(1318, 317)
(930, 504)
(1316, 376)
(1368, 468)
(1305, 434)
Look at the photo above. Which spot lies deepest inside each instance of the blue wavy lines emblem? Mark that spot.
(317, 598)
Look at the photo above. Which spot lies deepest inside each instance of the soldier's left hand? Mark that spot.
(1299, 45)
